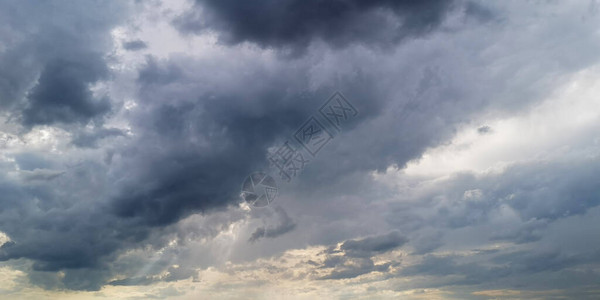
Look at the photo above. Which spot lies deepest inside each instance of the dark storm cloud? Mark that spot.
(210, 138)
(62, 94)
(73, 239)
(191, 149)
(81, 241)
(53, 53)
(296, 22)
(80, 235)
(204, 124)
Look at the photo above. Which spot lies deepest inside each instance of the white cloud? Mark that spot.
(564, 126)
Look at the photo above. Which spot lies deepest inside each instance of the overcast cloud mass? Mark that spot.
(467, 167)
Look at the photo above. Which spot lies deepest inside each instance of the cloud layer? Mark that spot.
(469, 170)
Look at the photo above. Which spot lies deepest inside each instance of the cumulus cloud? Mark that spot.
(53, 54)
(62, 94)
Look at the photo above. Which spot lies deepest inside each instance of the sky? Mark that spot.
(398, 149)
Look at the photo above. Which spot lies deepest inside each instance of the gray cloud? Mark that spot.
(354, 257)
(211, 138)
(373, 245)
(428, 243)
(297, 23)
(54, 54)
(285, 225)
(134, 45)
(40, 174)
(508, 270)
(90, 138)
(62, 94)
(133, 281)
(467, 273)
(484, 129)
(356, 268)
